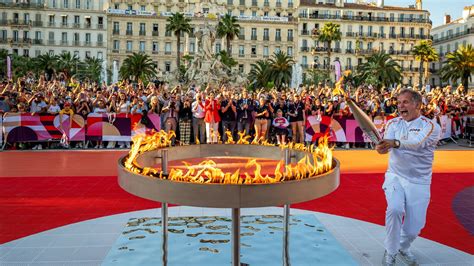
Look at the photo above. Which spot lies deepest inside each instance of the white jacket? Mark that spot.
(414, 159)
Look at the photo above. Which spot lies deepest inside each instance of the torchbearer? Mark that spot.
(410, 139)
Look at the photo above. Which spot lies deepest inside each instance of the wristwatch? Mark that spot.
(397, 144)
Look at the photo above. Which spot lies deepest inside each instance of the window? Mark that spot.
(168, 48)
(88, 38)
(88, 4)
(37, 53)
(381, 30)
(289, 51)
(100, 39)
(66, 4)
(266, 36)
(241, 51)
(218, 48)
(64, 38)
(277, 49)
(254, 13)
(50, 35)
(88, 54)
(78, 3)
(142, 29)
(142, 46)
(155, 29)
(192, 48)
(254, 34)
(254, 51)
(129, 46)
(167, 66)
(154, 47)
(100, 55)
(265, 51)
(304, 60)
(349, 45)
(278, 35)
(129, 28)
(64, 20)
(142, 8)
(116, 45)
(290, 35)
(241, 68)
(77, 21)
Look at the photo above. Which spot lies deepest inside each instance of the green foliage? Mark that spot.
(138, 66)
(330, 32)
(260, 73)
(177, 24)
(68, 64)
(459, 65)
(226, 59)
(424, 52)
(380, 70)
(280, 69)
(315, 76)
(228, 28)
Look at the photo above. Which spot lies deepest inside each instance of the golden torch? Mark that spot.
(365, 123)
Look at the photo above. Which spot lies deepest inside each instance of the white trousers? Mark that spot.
(407, 204)
(214, 129)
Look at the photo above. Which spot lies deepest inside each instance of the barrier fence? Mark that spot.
(25, 127)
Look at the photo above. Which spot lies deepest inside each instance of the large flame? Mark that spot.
(318, 160)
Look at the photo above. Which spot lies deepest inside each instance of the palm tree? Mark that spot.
(47, 63)
(226, 59)
(459, 65)
(178, 23)
(21, 65)
(380, 70)
(424, 52)
(259, 75)
(94, 68)
(329, 33)
(280, 68)
(67, 64)
(315, 76)
(3, 60)
(138, 66)
(228, 28)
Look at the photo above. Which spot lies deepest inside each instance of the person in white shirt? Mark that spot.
(199, 125)
(410, 139)
(54, 108)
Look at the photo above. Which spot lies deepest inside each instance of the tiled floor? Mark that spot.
(88, 242)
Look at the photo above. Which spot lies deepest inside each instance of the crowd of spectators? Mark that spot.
(197, 112)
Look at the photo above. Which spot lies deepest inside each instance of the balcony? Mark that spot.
(454, 36)
(154, 52)
(304, 66)
(305, 32)
(51, 24)
(253, 55)
(384, 19)
(64, 42)
(37, 23)
(142, 33)
(100, 26)
(278, 38)
(167, 52)
(266, 37)
(154, 33)
(350, 51)
(289, 38)
(76, 25)
(278, 4)
(37, 4)
(266, 4)
(64, 25)
(20, 23)
(100, 44)
(254, 3)
(3, 40)
(115, 31)
(290, 5)
(253, 37)
(3, 22)
(76, 43)
(87, 25)
(304, 49)
(51, 42)
(242, 37)
(87, 43)
(115, 50)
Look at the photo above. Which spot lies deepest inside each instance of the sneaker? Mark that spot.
(128, 145)
(40, 147)
(101, 146)
(121, 146)
(407, 257)
(35, 147)
(388, 260)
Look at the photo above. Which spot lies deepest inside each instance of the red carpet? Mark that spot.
(31, 205)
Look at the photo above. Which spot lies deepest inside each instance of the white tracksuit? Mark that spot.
(408, 179)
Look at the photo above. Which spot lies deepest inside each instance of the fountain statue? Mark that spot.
(115, 72)
(103, 72)
(296, 75)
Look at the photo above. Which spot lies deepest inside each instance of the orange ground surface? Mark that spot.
(104, 162)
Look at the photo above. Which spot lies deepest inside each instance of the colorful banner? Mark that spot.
(23, 127)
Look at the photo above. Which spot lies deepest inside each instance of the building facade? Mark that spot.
(140, 26)
(366, 29)
(114, 29)
(448, 37)
(31, 28)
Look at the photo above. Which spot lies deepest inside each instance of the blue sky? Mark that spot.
(437, 8)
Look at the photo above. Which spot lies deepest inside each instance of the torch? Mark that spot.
(364, 122)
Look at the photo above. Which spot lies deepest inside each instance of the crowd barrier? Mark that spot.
(25, 127)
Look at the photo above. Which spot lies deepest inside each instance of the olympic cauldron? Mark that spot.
(301, 174)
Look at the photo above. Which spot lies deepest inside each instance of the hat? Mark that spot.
(67, 104)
